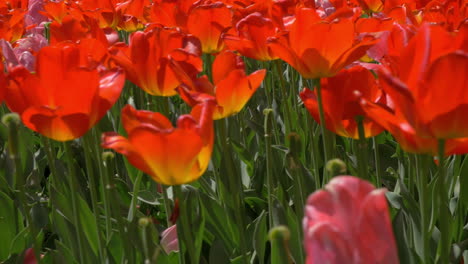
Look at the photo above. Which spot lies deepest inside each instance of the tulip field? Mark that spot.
(234, 131)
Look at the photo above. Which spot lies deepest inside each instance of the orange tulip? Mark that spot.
(170, 155)
(66, 96)
(150, 59)
(207, 22)
(12, 25)
(171, 13)
(428, 85)
(409, 140)
(232, 88)
(340, 95)
(73, 28)
(251, 41)
(317, 48)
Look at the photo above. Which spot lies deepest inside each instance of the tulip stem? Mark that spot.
(235, 187)
(445, 243)
(268, 116)
(115, 205)
(421, 165)
(284, 95)
(184, 234)
(50, 153)
(378, 168)
(88, 152)
(73, 191)
(323, 129)
(167, 206)
(12, 122)
(362, 149)
(103, 181)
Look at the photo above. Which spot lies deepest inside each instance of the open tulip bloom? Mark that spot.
(170, 155)
(66, 96)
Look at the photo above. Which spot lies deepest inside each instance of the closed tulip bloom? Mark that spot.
(428, 85)
(318, 48)
(150, 59)
(231, 88)
(341, 96)
(207, 22)
(65, 97)
(170, 155)
(348, 222)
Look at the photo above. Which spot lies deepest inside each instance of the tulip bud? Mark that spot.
(335, 167)
(144, 222)
(279, 237)
(294, 144)
(12, 121)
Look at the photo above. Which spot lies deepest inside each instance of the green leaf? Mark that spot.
(260, 237)
(88, 224)
(8, 224)
(20, 242)
(218, 253)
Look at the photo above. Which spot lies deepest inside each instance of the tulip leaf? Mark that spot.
(148, 197)
(260, 237)
(88, 224)
(20, 242)
(9, 223)
(218, 253)
(217, 222)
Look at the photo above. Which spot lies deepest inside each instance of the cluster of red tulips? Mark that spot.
(370, 66)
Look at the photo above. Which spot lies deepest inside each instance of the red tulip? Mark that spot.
(170, 155)
(66, 96)
(428, 85)
(409, 140)
(207, 22)
(348, 222)
(317, 48)
(340, 95)
(251, 41)
(12, 24)
(232, 88)
(150, 59)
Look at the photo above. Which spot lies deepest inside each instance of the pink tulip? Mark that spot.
(169, 240)
(24, 51)
(348, 222)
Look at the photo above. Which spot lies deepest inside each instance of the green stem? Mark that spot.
(235, 187)
(326, 143)
(167, 206)
(73, 191)
(133, 203)
(104, 181)
(378, 169)
(445, 243)
(184, 233)
(88, 151)
(115, 205)
(284, 94)
(421, 165)
(270, 184)
(314, 155)
(12, 121)
(362, 149)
